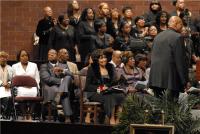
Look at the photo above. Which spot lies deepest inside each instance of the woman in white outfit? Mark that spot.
(26, 68)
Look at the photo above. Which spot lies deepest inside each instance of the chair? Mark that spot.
(25, 81)
(86, 106)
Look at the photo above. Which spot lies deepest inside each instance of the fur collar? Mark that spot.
(96, 70)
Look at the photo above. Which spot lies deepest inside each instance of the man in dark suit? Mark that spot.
(168, 61)
(55, 82)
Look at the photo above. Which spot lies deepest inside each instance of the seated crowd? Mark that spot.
(116, 51)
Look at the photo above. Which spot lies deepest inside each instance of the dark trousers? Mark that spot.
(158, 92)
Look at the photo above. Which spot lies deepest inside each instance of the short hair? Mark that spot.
(3, 53)
(126, 8)
(138, 18)
(61, 17)
(96, 54)
(98, 24)
(140, 57)
(126, 55)
(84, 14)
(19, 53)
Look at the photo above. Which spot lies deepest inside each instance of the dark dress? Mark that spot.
(103, 44)
(63, 38)
(94, 79)
(111, 29)
(43, 30)
(86, 39)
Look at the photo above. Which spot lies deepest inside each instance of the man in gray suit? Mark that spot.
(55, 82)
(169, 68)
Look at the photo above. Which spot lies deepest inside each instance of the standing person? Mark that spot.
(124, 39)
(127, 13)
(154, 8)
(86, 32)
(104, 11)
(114, 23)
(44, 27)
(168, 61)
(73, 11)
(162, 21)
(102, 39)
(63, 36)
(180, 6)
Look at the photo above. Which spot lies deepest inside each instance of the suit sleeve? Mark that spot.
(180, 60)
(46, 76)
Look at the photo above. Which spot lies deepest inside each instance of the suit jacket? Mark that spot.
(168, 62)
(72, 67)
(47, 76)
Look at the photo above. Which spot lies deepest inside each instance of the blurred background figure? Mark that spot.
(154, 8)
(63, 36)
(44, 27)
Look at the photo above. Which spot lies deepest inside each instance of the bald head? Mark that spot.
(116, 57)
(48, 11)
(63, 55)
(175, 23)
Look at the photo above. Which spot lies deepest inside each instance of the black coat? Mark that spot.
(86, 38)
(168, 62)
(94, 78)
(111, 29)
(63, 38)
(121, 44)
(43, 30)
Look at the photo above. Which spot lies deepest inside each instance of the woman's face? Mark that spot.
(23, 57)
(105, 10)
(142, 64)
(141, 22)
(131, 62)
(128, 13)
(153, 31)
(115, 14)
(163, 18)
(102, 60)
(155, 6)
(90, 14)
(103, 28)
(75, 5)
(65, 21)
(126, 28)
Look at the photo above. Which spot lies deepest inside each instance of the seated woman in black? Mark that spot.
(123, 40)
(100, 75)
